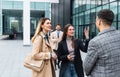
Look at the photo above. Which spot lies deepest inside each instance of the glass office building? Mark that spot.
(85, 11)
(11, 15)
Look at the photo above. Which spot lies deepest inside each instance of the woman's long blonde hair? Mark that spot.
(39, 27)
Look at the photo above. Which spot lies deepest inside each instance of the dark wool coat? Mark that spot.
(62, 56)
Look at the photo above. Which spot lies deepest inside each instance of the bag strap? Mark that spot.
(41, 42)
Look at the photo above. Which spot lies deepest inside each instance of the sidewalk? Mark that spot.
(12, 55)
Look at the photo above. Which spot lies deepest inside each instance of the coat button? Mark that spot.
(46, 63)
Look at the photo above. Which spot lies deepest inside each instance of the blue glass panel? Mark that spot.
(7, 5)
(18, 5)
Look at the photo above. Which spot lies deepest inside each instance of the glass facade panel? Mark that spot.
(119, 11)
(114, 24)
(87, 17)
(33, 25)
(11, 12)
(92, 30)
(113, 7)
(18, 5)
(87, 12)
(113, 0)
(93, 3)
(88, 4)
(73, 20)
(12, 23)
(81, 18)
(7, 4)
(39, 6)
(12, 4)
(98, 9)
(105, 1)
(80, 34)
(92, 16)
(98, 2)
(77, 18)
(76, 31)
(106, 6)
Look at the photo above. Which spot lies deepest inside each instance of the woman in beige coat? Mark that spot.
(42, 49)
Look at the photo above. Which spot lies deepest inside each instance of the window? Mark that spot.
(106, 6)
(105, 1)
(113, 7)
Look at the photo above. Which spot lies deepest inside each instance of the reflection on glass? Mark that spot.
(119, 11)
(98, 9)
(7, 4)
(106, 6)
(92, 16)
(105, 1)
(112, 0)
(88, 10)
(113, 7)
(98, 2)
(73, 20)
(93, 3)
(18, 4)
(81, 18)
(87, 17)
(80, 32)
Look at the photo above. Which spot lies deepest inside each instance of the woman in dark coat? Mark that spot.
(69, 53)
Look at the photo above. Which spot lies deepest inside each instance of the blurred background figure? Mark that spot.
(56, 37)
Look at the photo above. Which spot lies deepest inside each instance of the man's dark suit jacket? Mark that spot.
(63, 52)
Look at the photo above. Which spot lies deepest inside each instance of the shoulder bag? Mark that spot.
(33, 64)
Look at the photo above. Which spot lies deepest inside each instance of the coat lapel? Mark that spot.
(65, 46)
(46, 42)
(75, 46)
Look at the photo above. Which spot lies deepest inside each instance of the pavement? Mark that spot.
(12, 55)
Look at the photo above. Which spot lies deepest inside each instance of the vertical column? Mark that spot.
(1, 17)
(26, 22)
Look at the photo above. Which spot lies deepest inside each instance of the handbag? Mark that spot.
(34, 64)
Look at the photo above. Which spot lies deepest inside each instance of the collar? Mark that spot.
(57, 30)
(69, 38)
(107, 30)
(42, 34)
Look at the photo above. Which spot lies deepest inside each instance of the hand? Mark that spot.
(86, 32)
(54, 56)
(70, 57)
(56, 40)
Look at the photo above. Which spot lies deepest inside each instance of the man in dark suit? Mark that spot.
(103, 56)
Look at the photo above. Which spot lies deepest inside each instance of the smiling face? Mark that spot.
(47, 26)
(70, 31)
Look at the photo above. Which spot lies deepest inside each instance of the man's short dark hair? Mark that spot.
(106, 15)
(57, 24)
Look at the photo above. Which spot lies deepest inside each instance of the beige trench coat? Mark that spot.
(55, 40)
(41, 50)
